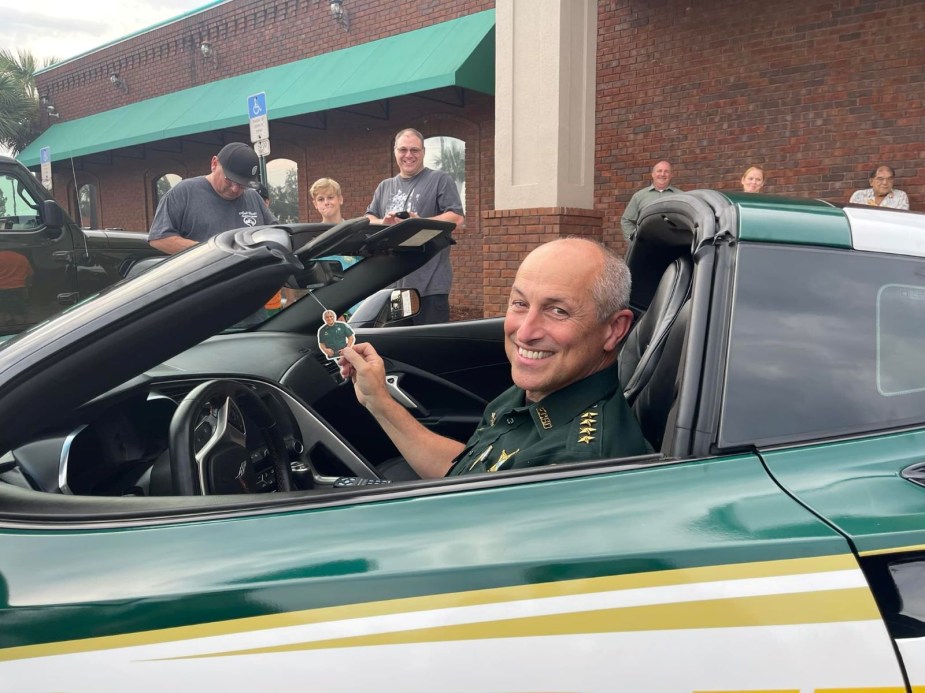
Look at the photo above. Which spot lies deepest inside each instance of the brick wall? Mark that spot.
(815, 92)
(246, 35)
(512, 233)
(355, 150)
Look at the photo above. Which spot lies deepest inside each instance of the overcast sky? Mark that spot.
(65, 28)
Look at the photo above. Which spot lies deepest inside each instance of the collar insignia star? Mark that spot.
(585, 439)
(588, 417)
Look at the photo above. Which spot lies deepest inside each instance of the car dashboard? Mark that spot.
(123, 440)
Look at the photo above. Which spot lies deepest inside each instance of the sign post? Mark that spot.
(260, 129)
(45, 159)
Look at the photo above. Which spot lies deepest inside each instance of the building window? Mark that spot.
(163, 184)
(88, 205)
(448, 154)
(283, 186)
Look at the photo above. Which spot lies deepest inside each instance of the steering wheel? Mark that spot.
(208, 443)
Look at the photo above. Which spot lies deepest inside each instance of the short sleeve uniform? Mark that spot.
(335, 336)
(587, 420)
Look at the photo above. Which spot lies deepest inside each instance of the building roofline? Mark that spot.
(134, 34)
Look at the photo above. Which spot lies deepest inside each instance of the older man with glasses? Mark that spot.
(881, 192)
(418, 191)
(195, 209)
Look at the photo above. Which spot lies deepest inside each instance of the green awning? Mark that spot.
(459, 53)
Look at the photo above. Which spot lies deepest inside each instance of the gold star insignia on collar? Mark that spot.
(585, 439)
(590, 414)
(585, 430)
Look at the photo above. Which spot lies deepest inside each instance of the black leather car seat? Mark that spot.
(643, 347)
(655, 402)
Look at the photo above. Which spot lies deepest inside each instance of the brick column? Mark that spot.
(509, 234)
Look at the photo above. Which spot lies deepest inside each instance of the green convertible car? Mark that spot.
(188, 508)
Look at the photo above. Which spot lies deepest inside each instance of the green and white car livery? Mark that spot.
(774, 542)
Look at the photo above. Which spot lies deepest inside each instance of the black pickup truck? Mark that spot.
(47, 262)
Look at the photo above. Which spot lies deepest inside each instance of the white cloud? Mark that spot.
(63, 28)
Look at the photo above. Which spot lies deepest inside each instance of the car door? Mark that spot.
(555, 579)
(444, 375)
(824, 376)
(36, 275)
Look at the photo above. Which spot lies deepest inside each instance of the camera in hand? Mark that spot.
(404, 214)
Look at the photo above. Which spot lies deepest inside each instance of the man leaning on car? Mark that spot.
(566, 317)
(195, 209)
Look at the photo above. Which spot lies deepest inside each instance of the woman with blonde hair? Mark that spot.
(753, 179)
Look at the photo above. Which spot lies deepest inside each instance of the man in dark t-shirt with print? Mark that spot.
(195, 209)
(418, 191)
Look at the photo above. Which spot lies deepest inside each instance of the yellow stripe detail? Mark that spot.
(866, 689)
(834, 606)
(896, 549)
(499, 595)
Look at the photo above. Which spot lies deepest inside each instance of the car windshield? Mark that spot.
(286, 297)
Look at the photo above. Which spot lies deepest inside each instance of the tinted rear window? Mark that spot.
(823, 342)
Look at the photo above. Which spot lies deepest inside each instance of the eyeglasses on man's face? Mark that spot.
(413, 151)
(882, 179)
(233, 184)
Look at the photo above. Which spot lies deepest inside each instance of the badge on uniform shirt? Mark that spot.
(481, 458)
(502, 458)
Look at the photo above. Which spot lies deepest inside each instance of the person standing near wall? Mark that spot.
(418, 191)
(195, 209)
(327, 198)
(661, 184)
(881, 192)
(753, 179)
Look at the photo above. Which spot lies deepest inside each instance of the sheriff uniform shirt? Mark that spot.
(587, 420)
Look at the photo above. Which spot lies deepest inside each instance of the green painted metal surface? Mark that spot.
(460, 53)
(856, 485)
(59, 585)
(772, 219)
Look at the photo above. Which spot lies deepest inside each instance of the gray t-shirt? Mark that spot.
(427, 194)
(192, 209)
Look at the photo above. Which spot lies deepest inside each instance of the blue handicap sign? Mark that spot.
(257, 105)
(45, 155)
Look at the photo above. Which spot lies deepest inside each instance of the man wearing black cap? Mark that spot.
(196, 209)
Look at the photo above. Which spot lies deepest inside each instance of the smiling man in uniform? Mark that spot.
(566, 317)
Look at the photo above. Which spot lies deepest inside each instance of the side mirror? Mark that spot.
(403, 303)
(53, 218)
